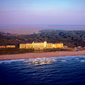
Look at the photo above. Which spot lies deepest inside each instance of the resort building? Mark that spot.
(49, 45)
(41, 45)
(28, 45)
(22, 46)
(58, 45)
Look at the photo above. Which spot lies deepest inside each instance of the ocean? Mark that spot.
(68, 70)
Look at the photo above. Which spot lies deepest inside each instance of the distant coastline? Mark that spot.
(20, 32)
(15, 29)
(43, 54)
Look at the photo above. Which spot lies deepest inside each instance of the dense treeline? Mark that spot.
(69, 38)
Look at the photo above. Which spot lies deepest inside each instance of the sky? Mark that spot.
(42, 12)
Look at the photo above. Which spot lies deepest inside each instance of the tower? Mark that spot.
(33, 44)
(45, 43)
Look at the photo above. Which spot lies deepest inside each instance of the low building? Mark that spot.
(65, 47)
(79, 47)
(2, 46)
(10, 46)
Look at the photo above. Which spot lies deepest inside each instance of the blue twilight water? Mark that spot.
(69, 70)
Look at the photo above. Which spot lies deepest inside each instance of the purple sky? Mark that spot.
(42, 12)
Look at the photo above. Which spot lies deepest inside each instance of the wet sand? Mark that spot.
(39, 55)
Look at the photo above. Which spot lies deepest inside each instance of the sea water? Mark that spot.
(68, 70)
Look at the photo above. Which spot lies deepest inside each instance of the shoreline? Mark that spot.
(41, 55)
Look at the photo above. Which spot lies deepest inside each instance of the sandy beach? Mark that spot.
(39, 55)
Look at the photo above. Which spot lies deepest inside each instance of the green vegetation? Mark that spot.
(17, 50)
(14, 50)
(69, 38)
